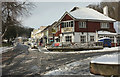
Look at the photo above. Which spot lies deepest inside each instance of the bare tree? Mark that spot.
(12, 11)
(113, 8)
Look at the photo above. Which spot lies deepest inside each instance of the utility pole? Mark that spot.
(0, 35)
(0, 24)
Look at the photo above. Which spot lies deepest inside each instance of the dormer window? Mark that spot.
(105, 25)
(82, 24)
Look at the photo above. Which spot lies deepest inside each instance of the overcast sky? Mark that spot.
(46, 13)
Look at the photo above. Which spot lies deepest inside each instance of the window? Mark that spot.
(112, 39)
(82, 24)
(118, 40)
(67, 24)
(71, 23)
(68, 38)
(62, 25)
(83, 39)
(105, 25)
(91, 38)
(106, 36)
(57, 40)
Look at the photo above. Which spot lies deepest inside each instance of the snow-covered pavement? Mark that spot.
(74, 68)
(56, 64)
(91, 51)
(4, 49)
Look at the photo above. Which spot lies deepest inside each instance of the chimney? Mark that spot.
(75, 8)
(105, 10)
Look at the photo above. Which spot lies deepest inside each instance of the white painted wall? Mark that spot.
(62, 37)
(78, 34)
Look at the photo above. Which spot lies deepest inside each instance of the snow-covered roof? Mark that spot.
(89, 14)
(117, 26)
(38, 31)
(104, 38)
(106, 32)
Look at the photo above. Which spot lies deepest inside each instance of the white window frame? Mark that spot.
(67, 24)
(82, 24)
(83, 40)
(112, 39)
(92, 38)
(105, 25)
(118, 40)
(68, 38)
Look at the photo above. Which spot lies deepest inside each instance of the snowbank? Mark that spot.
(91, 51)
(106, 32)
(108, 59)
(4, 49)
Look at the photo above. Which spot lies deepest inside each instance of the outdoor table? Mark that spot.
(107, 65)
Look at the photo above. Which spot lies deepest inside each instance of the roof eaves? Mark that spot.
(96, 20)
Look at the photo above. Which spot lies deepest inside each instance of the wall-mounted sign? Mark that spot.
(67, 29)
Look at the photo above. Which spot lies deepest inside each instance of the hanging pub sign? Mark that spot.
(53, 30)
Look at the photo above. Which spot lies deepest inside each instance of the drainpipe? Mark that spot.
(53, 37)
(115, 41)
(96, 36)
(87, 30)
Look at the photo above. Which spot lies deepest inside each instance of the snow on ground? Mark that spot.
(108, 59)
(89, 51)
(4, 49)
(73, 68)
(30, 49)
(70, 69)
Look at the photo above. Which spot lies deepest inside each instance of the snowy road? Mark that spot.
(41, 63)
(4, 49)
